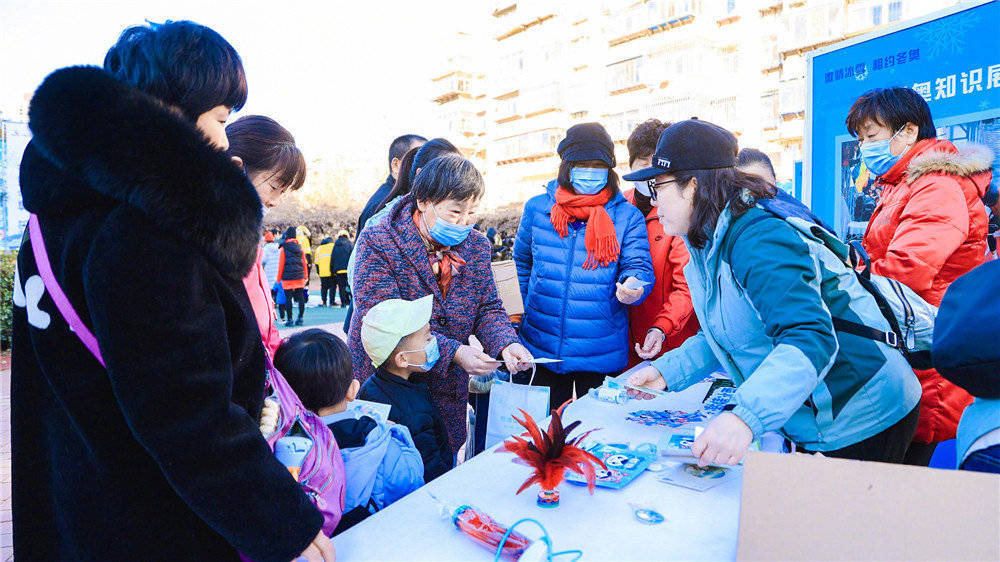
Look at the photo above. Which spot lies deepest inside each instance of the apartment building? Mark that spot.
(545, 65)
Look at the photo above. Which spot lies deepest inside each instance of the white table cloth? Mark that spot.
(699, 525)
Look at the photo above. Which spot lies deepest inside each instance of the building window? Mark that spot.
(877, 15)
(895, 10)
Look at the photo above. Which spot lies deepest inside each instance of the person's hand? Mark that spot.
(321, 550)
(724, 442)
(653, 344)
(517, 358)
(474, 361)
(648, 377)
(626, 295)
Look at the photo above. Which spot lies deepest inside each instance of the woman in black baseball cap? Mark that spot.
(766, 294)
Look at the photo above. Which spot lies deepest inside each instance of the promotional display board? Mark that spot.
(951, 58)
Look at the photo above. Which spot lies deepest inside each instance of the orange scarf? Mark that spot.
(600, 239)
(444, 261)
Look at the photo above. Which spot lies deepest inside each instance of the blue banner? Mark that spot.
(953, 61)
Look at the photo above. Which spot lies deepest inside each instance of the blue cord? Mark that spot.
(545, 537)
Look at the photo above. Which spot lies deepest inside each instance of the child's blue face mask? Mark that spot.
(432, 352)
(876, 155)
(588, 181)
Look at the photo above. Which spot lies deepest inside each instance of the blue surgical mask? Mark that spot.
(447, 233)
(642, 187)
(588, 181)
(431, 351)
(876, 155)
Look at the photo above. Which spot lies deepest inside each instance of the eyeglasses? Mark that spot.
(654, 185)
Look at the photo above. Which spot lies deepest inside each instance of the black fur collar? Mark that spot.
(128, 146)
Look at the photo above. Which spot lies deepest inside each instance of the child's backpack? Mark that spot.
(911, 318)
(322, 472)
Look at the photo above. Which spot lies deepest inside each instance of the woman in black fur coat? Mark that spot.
(150, 229)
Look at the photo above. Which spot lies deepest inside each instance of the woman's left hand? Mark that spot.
(517, 358)
(626, 295)
(724, 442)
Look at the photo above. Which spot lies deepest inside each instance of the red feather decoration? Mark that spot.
(551, 453)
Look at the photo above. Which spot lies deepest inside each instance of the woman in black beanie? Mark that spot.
(582, 257)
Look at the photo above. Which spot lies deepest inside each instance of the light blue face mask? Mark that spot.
(433, 354)
(876, 155)
(588, 181)
(642, 187)
(447, 233)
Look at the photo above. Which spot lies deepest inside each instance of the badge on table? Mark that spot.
(694, 477)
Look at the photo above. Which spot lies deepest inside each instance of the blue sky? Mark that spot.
(344, 77)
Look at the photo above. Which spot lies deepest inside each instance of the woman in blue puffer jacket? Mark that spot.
(582, 256)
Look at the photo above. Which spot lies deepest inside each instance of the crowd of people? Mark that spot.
(138, 392)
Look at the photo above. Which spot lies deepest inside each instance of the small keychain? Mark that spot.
(646, 515)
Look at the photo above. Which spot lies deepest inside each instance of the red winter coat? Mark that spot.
(929, 228)
(668, 306)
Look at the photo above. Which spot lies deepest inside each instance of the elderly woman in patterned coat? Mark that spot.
(427, 245)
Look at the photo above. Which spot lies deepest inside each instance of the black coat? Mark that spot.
(376, 199)
(150, 231)
(412, 407)
(294, 269)
(341, 254)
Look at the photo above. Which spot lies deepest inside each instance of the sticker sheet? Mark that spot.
(623, 466)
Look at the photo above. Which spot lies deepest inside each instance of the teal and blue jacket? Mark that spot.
(765, 294)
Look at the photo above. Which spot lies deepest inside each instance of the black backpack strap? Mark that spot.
(848, 327)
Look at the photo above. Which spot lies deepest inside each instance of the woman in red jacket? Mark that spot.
(928, 228)
(665, 319)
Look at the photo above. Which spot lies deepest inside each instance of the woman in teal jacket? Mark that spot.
(766, 294)
(582, 257)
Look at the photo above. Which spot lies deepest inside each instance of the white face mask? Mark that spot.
(642, 187)
(266, 210)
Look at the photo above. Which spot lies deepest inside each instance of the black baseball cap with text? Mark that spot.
(690, 145)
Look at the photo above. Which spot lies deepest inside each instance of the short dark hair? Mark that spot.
(266, 146)
(893, 108)
(402, 144)
(448, 177)
(181, 63)
(749, 156)
(317, 365)
(716, 190)
(563, 177)
(414, 159)
(642, 141)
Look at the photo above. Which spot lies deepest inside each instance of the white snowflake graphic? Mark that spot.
(948, 35)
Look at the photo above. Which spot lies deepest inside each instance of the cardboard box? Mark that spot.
(804, 507)
(505, 275)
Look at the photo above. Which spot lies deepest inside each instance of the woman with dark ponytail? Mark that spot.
(274, 165)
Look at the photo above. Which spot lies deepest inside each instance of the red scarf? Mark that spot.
(444, 261)
(600, 238)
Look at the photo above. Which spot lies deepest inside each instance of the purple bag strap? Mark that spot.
(55, 291)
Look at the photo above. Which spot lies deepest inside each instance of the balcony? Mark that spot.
(773, 9)
(627, 89)
(501, 11)
(523, 27)
(653, 30)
